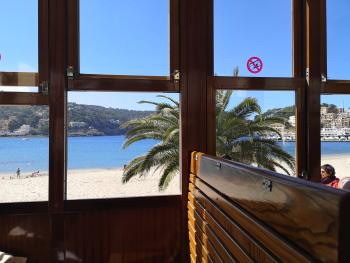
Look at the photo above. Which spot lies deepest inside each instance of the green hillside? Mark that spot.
(285, 112)
(81, 120)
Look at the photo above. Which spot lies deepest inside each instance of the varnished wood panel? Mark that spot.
(200, 241)
(121, 230)
(292, 208)
(128, 235)
(275, 243)
(206, 220)
(215, 216)
(197, 249)
(26, 236)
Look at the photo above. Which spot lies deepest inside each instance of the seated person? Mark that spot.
(328, 176)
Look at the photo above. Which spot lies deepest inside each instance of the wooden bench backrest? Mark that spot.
(237, 213)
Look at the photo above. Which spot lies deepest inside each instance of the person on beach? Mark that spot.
(18, 172)
(328, 176)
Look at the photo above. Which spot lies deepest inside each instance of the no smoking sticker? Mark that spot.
(254, 65)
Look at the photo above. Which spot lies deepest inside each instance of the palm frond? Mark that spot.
(168, 174)
(240, 137)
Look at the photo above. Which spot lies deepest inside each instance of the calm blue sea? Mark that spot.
(31, 154)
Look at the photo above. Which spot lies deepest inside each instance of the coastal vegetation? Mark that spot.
(240, 137)
(163, 126)
(83, 120)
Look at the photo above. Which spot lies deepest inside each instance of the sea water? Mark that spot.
(32, 154)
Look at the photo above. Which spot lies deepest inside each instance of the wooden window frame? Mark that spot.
(197, 88)
(32, 79)
(104, 82)
(110, 83)
(18, 79)
(309, 68)
(57, 50)
(295, 83)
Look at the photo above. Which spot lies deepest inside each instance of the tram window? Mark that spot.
(257, 128)
(118, 147)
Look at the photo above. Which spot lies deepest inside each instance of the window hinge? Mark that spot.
(307, 74)
(176, 76)
(323, 78)
(44, 86)
(70, 72)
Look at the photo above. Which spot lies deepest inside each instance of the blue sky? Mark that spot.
(132, 37)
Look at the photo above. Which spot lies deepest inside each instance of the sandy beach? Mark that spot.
(341, 163)
(83, 184)
(106, 183)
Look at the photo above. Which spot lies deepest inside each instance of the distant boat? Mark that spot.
(25, 139)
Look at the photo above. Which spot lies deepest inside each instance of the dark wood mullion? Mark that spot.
(299, 71)
(247, 83)
(195, 42)
(57, 139)
(57, 104)
(184, 158)
(211, 91)
(298, 39)
(323, 38)
(30, 79)
(211, 117)
(43, 42)
(174, 36)
(313, 22)
(74, 35)
(88, 82)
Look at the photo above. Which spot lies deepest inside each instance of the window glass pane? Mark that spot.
(338, 38)
(335, 133)
(100, 124)
(257, 128)
(253, 29)
(24, 153)
(124, 37)
(19, 36)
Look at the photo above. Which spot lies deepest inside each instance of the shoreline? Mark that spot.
(87, 184)
(28, 136)
(97, 183)
(325, 158)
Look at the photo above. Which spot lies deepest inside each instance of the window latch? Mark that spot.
(176, 76)
(44, 87)
(70, 72)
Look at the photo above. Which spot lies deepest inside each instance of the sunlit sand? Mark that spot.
(84, 184)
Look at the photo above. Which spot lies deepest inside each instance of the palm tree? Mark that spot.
(162, 126)
(240, 137)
